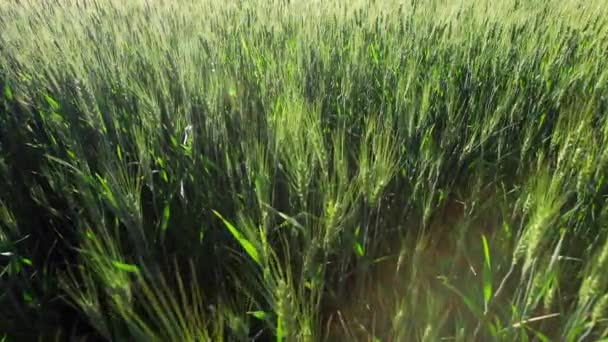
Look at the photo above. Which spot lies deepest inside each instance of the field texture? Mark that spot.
(317, 170)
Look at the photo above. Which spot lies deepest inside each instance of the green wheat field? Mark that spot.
(303, 170)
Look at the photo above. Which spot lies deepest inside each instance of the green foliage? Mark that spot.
(246, 244)
(304, 170)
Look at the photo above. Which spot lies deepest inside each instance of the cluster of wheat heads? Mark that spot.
(303, 170)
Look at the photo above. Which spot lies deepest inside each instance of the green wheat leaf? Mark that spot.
(125, 267)
(246, 244)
